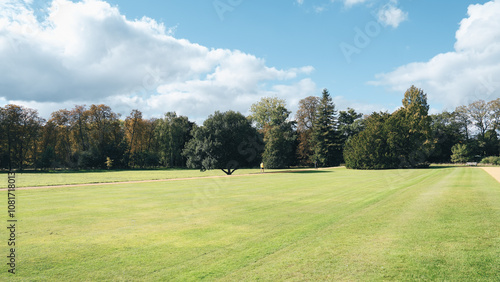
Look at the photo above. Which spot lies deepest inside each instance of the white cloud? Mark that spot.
(390, 15)
(470, 72)
(88, 52)
(350, 3)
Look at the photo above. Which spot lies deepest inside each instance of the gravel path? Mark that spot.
(493, 171)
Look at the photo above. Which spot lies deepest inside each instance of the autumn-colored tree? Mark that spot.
(134, 130)
(94, 133)
(57, 135)
(142, 142)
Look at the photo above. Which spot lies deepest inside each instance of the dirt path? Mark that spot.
(155, 180)
(493, 171)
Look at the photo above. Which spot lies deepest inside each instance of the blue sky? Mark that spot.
(195, 57)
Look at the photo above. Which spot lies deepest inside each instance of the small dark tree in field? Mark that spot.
(222, 143)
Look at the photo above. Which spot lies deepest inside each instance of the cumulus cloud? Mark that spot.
(88, 52)
(390, 15)
(470, 72)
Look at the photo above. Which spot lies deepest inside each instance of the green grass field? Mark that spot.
(39, 178)
(336, 224)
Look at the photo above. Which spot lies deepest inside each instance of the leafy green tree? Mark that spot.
(399, 140)
(305, 117)
(107, 136)
(488, 145)
(460, 153)
(265, 110)
(4, 151)
(370, 149)
(278, 139)
(172, 133)
(414, 143)
(447, 132)
(350, 124)
(271, 117)
(21, 130)
(47, 158)
(32, 126)
(80, 127)
(221, 143)
(326, 140)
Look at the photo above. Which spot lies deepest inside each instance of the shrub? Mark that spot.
(491, 160)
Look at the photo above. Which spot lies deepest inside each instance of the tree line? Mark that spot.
(95, 137)
(90, 138)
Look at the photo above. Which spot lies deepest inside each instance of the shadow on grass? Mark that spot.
(439, 166)
(443, 167)
(310, 171)
(299, 171)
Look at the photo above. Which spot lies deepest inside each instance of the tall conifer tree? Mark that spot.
(325, 134)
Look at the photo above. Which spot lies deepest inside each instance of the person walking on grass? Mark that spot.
(262, 167)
